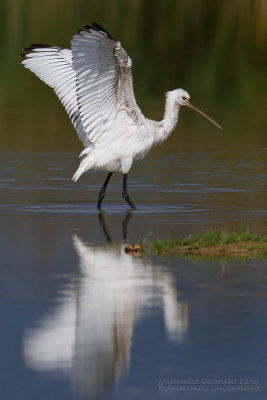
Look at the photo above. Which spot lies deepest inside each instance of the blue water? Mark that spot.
(81, 319)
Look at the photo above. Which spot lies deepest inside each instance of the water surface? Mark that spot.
(84, 319)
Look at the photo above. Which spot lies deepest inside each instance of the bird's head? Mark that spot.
(183, 99)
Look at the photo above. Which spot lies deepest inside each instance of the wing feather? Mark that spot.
(53, 65)
(104, 83)
(93, 81)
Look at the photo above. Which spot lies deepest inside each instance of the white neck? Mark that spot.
(171, 115)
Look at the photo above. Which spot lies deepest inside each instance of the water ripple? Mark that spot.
(90, 209)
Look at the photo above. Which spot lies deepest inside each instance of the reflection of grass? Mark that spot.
(214, 243)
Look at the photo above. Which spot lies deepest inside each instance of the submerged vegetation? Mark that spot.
(210, 243)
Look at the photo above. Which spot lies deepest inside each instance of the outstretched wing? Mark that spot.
(53, 65)
(104, 84)
(93, 81)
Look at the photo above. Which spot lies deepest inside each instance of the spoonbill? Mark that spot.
(93, 81)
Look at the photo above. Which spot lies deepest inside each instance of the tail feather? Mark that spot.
(85, 164)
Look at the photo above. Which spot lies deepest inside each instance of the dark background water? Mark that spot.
(80, 318)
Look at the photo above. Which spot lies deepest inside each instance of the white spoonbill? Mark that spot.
(93, 80)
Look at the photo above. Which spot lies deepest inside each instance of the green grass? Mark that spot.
(213, 239)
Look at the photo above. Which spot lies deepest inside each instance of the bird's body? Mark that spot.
(93, 80)
(133, 146)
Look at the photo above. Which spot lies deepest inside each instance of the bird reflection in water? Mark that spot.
(89, 333)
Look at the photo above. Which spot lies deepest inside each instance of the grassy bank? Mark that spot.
(210, 243)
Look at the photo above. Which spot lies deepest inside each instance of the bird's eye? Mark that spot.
(184, 98)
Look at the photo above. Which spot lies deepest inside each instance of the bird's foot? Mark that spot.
(129, 201)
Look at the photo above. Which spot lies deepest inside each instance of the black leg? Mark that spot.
(104, 227)
(103, 190)
(125, 193)
(125, 221)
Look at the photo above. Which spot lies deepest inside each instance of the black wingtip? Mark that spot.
(95, 27)
(99, 28)
(35, 45)
(30, 48)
